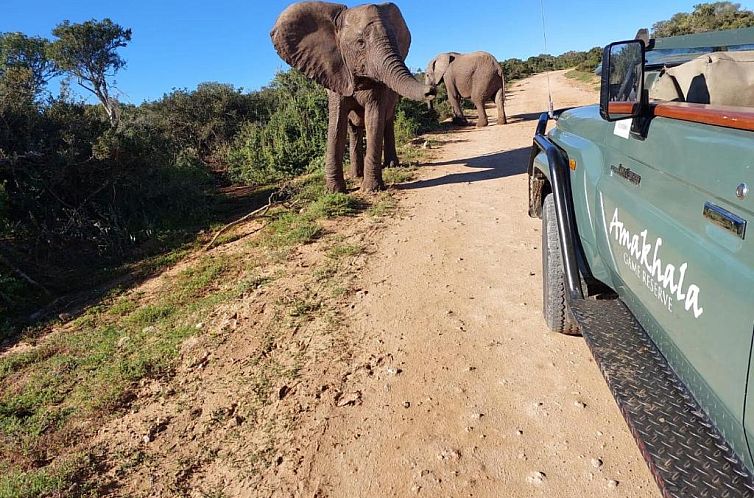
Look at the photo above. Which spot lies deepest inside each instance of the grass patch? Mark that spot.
(383, 205)
(334, 205)
(584, 77)
(391, 176)
(291, 229)
(339, 251)
(35, 483)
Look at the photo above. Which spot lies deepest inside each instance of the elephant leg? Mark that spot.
(356, 141)
(374, 120)
(336, 143)
(455, 104)
(391, 154)
(481, 122)
(500, 103)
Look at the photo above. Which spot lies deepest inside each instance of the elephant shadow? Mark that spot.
(488, 167)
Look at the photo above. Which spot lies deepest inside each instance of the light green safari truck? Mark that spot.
(645, 201)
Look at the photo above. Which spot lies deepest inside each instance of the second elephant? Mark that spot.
(476, 76)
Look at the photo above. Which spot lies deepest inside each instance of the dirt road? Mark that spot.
(392, 356)
(470, 395)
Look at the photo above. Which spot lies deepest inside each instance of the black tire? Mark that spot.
(554, 306)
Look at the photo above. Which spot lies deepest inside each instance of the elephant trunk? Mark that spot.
(392, 71)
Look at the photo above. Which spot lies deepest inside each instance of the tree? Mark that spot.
(705, 17)
(88, 51)
(25, 68)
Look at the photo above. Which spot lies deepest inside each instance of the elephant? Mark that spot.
(719, 78)
(358, 55)
(476, 76)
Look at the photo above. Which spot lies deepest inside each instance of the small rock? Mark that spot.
(123, 340)
(147, 438)
(352, 398)
(519, 432)
(393, 371)
(199, 326)
(148, 330)
(202, 360)
(536, 478)
(596, 463)
(406, 404)
(612, 484)
(283, 392)
(531, 273)
(579, 404)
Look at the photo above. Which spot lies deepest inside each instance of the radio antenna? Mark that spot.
(544, 36)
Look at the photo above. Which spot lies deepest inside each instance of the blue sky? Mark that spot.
(180, 43)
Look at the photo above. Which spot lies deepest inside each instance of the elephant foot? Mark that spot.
(370, 186)
(460, 121)
(481, 124)
(393, 163)
(502, 121)
(336, 187)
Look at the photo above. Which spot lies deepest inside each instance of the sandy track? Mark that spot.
(471, 396)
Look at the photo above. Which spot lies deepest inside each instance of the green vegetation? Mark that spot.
(588, 61)
(118, 184)
(713, 16)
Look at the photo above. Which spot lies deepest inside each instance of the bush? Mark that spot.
(286, 145)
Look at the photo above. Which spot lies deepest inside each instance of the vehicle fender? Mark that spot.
(586, 167)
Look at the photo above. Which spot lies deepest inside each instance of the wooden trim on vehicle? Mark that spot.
(621, 107)
(740, 118)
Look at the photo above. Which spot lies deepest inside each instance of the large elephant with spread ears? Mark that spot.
(358, 55)
(476, 76)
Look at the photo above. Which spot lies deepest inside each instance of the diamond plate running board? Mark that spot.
(685, 452)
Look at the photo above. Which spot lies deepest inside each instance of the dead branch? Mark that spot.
(278, 197)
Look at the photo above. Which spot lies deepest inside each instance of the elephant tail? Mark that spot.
(502, 80)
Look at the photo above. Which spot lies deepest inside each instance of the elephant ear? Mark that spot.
(441, 63)
(395, 21)
(305, 37)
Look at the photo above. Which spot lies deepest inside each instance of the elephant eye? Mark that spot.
(360, 43)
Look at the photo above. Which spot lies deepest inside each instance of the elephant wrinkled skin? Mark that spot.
(476, 76)
(358, 55)
(719, 78)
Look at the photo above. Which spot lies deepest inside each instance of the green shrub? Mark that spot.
(285, 145)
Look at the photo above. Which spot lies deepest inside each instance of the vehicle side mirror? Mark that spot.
(622, 89)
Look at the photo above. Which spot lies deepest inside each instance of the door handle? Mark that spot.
(725, 219)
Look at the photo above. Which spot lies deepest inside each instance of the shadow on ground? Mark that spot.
(488, 167)
(529, 116)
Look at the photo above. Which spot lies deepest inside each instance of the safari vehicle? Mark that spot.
(645, 251)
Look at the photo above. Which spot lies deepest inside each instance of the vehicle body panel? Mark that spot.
(706, 337)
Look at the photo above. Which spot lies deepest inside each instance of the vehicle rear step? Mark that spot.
(684, 450)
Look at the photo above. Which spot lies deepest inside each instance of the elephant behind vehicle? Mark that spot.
(358, 55)
(719, 78)
(476, 76)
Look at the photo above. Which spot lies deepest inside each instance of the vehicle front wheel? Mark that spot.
(554, 306)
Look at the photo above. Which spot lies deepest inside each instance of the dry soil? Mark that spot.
(476, 397)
